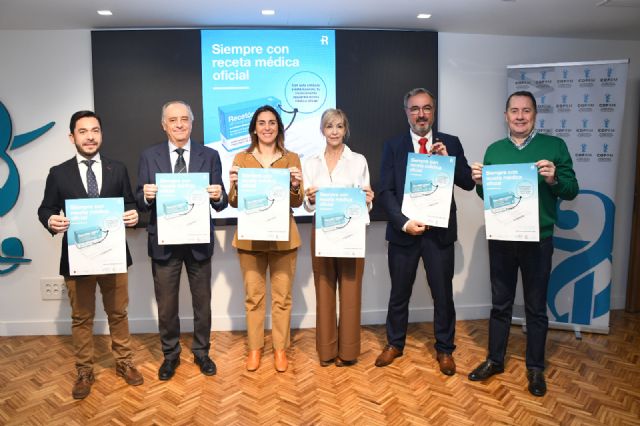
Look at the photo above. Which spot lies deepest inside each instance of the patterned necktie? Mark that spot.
(92, 183)
(423, 146)
(181, 165)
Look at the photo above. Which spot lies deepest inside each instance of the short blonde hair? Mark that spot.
(330, 115)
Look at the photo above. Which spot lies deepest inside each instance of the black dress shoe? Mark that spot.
(537, 385)
(206, 364)
(485, 370)
(168, 368)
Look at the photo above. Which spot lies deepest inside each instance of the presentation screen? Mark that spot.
(294, 71)
(225, 74)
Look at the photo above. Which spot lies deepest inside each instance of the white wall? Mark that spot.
(46, 76)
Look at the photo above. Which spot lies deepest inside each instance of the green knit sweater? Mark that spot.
(541, 147)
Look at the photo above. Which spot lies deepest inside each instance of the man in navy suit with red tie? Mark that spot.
(90, 175)
(410, 239)
(180, 155)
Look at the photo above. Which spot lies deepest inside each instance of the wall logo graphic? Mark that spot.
(587, 81)
(577, 291)
(12, 250)
(608, 105)
(610, 80)
(606, 131)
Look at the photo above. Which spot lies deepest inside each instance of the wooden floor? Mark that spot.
(595, 381)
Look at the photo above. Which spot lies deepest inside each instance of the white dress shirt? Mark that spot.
(416, 145)
(173, 155)
(351, 171)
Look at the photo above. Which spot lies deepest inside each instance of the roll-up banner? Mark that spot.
(582, 103)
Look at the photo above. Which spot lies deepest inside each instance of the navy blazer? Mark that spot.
(156, 159)
(391, 192)
(64, 183)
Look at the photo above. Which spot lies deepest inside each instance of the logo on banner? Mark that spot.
(586, 105)
(522, 82)
(585, 131)
(563, 131)
(610, 80)
(543, 105)
(607, 105)
(565, 82)
(584, 156)
(544, 81)
(605, 156)
(580, 284)
(587, 80)
(606, 131)
(564, 105)
(541, 128)
(12, 250)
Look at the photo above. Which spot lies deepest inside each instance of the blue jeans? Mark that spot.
(534, 261)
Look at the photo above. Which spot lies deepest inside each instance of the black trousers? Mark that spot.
(534, 261)
(438, 261)
(166, 280)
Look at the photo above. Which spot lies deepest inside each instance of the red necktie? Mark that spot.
(423, 146)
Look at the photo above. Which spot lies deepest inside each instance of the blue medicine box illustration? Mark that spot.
(502, 199)
(256, 203)
(423, 185)
(87, 236)
(175, 208)
(334, 221)
(234, 118)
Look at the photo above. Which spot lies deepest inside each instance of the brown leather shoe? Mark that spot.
(129, 373)
(447, 364)
(345, 363)
(388, 354)
(253, 360)
(82, 386)
(280, 360)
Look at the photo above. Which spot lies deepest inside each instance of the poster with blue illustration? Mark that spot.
(341, 220)
(428, 188)
(182, 208)
(263, 204)
(96, 236)
(511, 202)
(293, 71)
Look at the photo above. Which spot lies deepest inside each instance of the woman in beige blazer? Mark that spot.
(267, 151)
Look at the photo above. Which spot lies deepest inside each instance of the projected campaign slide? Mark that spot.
(291, 70)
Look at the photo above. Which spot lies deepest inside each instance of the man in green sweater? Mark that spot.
(556, 179)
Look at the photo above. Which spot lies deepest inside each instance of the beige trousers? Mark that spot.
(282, 268)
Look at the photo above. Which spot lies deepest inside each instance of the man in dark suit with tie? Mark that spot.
(410, 239)
(180, 155)
(90, 175)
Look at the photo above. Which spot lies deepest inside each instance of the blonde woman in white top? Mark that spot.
(337, 166)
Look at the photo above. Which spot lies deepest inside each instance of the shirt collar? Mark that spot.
(80, 158)
(415, 137)
(528, 139)
(186, 147)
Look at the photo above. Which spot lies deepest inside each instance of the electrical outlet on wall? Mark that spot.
(53, 288)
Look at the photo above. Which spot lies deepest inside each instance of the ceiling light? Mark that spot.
(105, 13)
(268, 12)
(424, 15)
